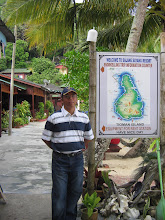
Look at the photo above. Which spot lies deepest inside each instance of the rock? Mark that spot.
(131, 213)
(148, 217)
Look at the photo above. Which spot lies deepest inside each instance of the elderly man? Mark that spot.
(67, 132)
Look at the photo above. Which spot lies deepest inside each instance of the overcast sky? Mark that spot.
(79, 1)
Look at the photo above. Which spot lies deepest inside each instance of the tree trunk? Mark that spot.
(12, 83)
(137, 26)
(139, 148)
(136, 29)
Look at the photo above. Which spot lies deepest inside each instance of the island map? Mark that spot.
(129, 104)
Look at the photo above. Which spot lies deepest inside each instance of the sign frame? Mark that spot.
(111, 120)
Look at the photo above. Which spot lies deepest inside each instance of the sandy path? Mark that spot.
(124, 168)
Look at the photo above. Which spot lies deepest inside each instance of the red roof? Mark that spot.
(60, 66)
(22, 81)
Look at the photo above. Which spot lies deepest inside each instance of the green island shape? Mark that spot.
(127, 105)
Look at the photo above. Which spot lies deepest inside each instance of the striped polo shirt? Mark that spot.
(67, 132)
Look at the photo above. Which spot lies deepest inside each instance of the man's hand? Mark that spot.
(86, 144)
(48, 143)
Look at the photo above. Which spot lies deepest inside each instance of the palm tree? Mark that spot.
(55, 21)
(115, 37)
(137, 26)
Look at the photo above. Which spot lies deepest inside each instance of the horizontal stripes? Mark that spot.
(68, 146)
(65, 126)
(63, 129)
(60, 119)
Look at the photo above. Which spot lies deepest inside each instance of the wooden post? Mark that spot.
(33, 113)
(12, 83)
(92, 115)
(0, 110)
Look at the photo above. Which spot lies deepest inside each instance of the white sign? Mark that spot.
(128, 95)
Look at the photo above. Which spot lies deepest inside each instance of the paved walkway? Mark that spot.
(25, 161)
(25, 174)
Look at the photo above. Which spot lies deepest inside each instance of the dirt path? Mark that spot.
(124, 169)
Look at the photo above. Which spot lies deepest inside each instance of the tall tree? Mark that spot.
(116, 36)
(54, 21)
(137, 26)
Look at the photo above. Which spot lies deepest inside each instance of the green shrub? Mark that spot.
(3, 65)
(18, 122)
(49, 106)
(22, 110)
(40, 114)
(5, 119)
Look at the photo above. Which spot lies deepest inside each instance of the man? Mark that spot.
(67, 132)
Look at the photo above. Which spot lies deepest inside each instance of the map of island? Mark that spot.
(128, 105)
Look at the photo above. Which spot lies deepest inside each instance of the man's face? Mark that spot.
(69, 100)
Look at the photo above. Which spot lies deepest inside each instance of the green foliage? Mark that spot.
(98, 178)
(49, 106)
(21, 110)
(21, 55)
(5, 119)
(53, 21)
(148, 157)
(106, 178)
(18, 122)
(40, 114)
(78, 75)
(160, 210)
(43, 68)
(2, 2)
(91, 202)
(153, 145)
(146, 207)
(3, 64)
(26, 107)
(39, 65)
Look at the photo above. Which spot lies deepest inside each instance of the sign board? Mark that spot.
(128, 95)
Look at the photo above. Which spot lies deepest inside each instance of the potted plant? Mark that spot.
(90, 212)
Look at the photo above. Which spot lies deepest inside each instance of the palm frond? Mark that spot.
(22, 11)
(54, 21)
(116, 35)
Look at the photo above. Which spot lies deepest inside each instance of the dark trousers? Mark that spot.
(67, 176)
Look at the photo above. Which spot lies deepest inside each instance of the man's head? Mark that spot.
(67, 90)
(69, 98)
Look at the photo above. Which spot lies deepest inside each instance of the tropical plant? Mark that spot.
(21, 56)
(49, 106)
(107, 180)
(18, 122)
(98, 179)
(62, 21)
(90, 202)
(115, 37)
(22, 110)
(78, 75)
(3, 64)
(146, 207)
(5, 119)
(44, 68)
(26, 106)
(40, 114)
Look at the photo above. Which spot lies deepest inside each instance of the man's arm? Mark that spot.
(48, 143)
